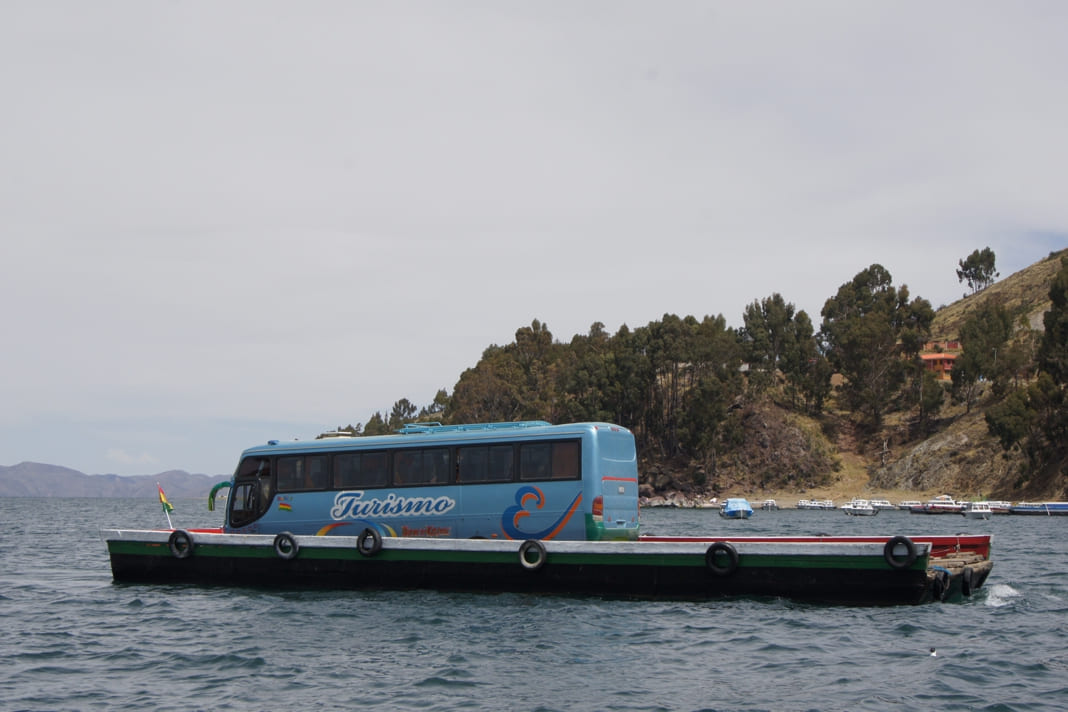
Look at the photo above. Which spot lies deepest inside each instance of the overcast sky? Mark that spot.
(224, 222)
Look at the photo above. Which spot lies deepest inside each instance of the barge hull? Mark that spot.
(856, 573)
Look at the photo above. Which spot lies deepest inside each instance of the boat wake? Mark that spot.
(1000, 594)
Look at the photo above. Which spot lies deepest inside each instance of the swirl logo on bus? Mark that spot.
(528, 496)
(352, 505)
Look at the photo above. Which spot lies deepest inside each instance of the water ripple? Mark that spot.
(76, 641)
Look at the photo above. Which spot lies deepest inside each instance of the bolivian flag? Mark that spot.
(167, 508)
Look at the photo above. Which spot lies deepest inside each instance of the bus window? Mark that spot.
(534, 459)
(309, 472)
(421, 467)
(485, 463)
(566, 461)
(544, 461)
(361, 470)
(317, 472)
(290, 474)
(501, 463)
(473, 462)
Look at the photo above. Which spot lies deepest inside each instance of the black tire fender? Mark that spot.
(538, 548)
(891, 557)
(286, 546)
(713, 552)
(967, 581)
(370, 542)
(181, 544)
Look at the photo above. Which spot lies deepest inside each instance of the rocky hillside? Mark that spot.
(783, 453)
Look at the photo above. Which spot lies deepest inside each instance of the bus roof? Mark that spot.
(422, 433)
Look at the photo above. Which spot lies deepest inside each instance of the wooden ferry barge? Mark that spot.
(526, 506)
(834, 570)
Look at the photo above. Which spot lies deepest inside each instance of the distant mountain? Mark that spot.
(34, 479)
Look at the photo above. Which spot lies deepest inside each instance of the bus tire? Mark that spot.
(180, 543)
(528, 546)
(286, 546)
(369, 542)
(896, 563)
(732, 558)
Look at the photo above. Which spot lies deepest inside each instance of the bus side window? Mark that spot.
(501, 464)
(472, 463)
(534, 461)
(289, 469)
(436, 466)
(566, 461)
(318, 471)
(405, 467)
(368, 469)
(347, 470)
(375, 469)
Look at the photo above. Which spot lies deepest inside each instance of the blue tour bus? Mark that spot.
(522, 480)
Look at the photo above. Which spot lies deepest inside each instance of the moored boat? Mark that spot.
(816, 504)
(879, 504)
(1041, 508)
(736, 508)
(976, 510)
(769, 505)
(859, 508)
(909, 504)
(942, 504)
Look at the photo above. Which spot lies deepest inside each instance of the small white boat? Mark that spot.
(976, 510)
(910, 505)
(859, 508)
(942, 504)
(882, 504)
(769, 505)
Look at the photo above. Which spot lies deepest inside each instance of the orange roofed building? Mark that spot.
(938, 358)
(940, 364)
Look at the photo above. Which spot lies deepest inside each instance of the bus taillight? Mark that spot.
(598, 507)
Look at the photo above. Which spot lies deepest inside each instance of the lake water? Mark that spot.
(74, 640)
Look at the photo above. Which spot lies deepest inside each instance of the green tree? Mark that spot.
(1036, 418)
(403, 412)
(488, 391)
(437, 407)
(868, 327)
(376, 425)
(983, 335)
(767, 335)
(1053, 350)
(978, 270)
